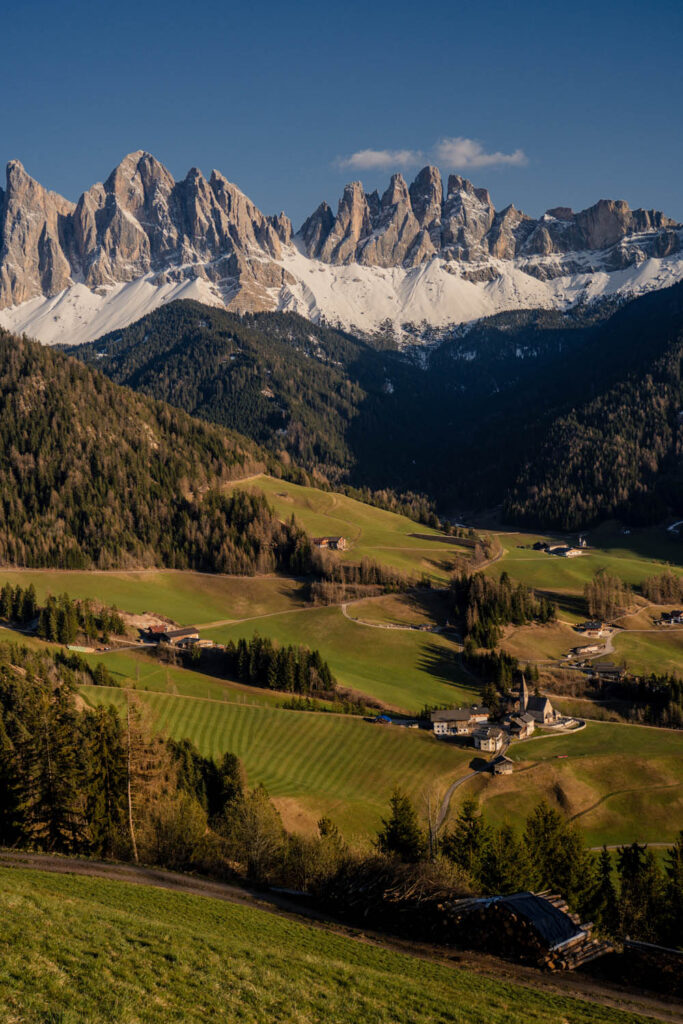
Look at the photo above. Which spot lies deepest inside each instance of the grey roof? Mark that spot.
(450, 715)
(553, 925)
(538, 703)
(488, 731)
(187, 631)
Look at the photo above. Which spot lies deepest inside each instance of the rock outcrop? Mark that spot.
(141, 238)
(410, 225)
(139, 222)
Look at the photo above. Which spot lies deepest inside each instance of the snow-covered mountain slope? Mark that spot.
(441, 293)
(416, 255)
(77, 315)
(356, 297)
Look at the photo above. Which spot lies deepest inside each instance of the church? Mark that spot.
(540, 708)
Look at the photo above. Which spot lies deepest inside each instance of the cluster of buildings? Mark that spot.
(674, 618)
(184, 638)
(562, 550)
(331, 543)
(526, 713)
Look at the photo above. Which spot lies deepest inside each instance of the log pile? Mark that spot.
(531, 928)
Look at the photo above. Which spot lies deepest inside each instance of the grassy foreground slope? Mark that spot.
(389, 538)
(312, 764)
(87, 950)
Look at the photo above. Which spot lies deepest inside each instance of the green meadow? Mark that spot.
(405, 669)
(77, 949)
(391, 539)
(618, 782)
(185, 597)
(311, 763)
(631, 557)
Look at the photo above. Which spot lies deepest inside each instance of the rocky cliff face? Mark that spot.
(409, 225)
(139, 222)
(416, 254)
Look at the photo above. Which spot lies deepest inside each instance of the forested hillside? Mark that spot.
(93, 475)
(618, 455)
(276, 378)
(431, 419)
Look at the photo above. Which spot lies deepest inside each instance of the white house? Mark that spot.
(489, 739)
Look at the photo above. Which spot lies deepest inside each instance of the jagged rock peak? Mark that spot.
(139, 222)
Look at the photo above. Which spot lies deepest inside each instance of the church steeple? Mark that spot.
(523, 695)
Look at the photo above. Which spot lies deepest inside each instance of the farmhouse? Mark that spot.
(457, 721)
(587, 649)
(502, 765)
(489, 738)
(522, 725)
(593, 629)
(331, 543)
(563, 551)
(175, 637)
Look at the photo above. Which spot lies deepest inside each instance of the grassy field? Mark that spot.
(371, 532)
(143, 671)
(87, 951)
(312, 764)
(632, 558)
(660, 651)
(618, 782)
(418, 608)
(186, 597)
(403, 668)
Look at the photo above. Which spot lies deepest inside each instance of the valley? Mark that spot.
(619, 782)
(341, 514)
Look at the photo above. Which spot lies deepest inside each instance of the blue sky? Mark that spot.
(546, 104)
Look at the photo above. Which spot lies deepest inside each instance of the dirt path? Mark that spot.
(568, 984)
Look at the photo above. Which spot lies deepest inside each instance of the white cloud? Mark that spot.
(380, 159)
(460, 153)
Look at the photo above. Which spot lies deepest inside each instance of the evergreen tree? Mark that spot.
(466, 844)
(401, 835)
(605, 908)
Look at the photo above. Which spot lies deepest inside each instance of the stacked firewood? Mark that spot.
(410, 904)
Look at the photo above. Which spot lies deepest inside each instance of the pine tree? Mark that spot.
(401, 835)
(604, 903)
(467, 841)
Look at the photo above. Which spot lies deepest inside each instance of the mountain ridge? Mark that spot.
(70, 272)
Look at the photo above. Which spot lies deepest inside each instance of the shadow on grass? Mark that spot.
(443, 664)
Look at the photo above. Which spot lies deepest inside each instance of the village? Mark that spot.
(490, 734)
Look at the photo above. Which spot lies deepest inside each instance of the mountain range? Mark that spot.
(416, 258)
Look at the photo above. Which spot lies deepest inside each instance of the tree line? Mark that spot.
(606, 596)
(262, 662)
(666, 588)
(484, 605)
(60, 619)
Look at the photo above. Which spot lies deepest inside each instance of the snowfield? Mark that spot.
(437, 292)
